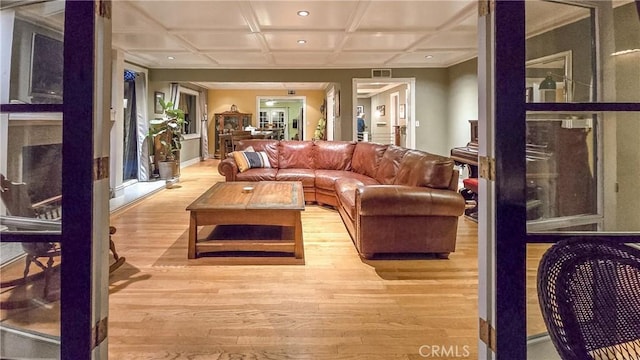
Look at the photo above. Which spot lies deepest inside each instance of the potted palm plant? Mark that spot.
(166, 133)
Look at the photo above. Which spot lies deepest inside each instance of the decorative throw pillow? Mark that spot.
(251, 159)
(248, 148)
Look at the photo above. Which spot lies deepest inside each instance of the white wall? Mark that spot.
(384, 134)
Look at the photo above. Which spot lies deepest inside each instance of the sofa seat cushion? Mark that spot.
(346, 193)
(257, 174)
(326, 179)
(306, 176)
(333, 155)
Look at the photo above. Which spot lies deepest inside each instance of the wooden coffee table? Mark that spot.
(269, 203)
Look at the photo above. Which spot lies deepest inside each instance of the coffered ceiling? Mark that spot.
(263, 34)
(266, 33)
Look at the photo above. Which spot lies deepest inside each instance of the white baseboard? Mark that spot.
(119, 191)
(184, 164)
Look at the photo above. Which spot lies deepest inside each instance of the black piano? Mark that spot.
(468, 155)
(541, 176)
(551, 191)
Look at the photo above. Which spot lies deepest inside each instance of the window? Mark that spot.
(188, 101)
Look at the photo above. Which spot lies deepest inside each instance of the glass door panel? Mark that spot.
(539, 345)
(582, 129)
(559, 53)
(567, 188)
(574, 178)
(561, 179)
(31, 175)
(560, 48)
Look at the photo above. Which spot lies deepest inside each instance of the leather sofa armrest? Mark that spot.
(228, 169)
(397, 200)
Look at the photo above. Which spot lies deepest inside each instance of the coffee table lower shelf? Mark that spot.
(247, 238)
(249, 242)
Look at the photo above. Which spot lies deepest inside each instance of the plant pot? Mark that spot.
(167, 169)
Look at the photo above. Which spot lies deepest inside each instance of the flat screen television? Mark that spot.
(47, 62)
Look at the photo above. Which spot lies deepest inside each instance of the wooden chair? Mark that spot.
(18, 203)
(238, 135)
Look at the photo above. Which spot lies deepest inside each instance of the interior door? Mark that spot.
(275, 118)
(557, 161)
(72, 104)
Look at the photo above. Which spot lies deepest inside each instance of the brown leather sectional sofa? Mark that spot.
(391, 199)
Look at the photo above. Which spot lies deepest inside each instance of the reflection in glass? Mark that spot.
(32, 184)
(29, 305)
(559, 46)
(582, 171)
(548, 78)
(31, 202)
(555, 29)
(560, 166)
(626, 55)
(31, 180)
(539, 345)
(36, 53)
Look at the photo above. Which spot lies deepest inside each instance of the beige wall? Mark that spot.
(246, 101)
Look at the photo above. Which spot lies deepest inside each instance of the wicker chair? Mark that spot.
(589, 293)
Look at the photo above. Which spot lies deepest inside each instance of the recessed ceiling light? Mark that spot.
(170, 58)
(303, 13)
(429, 57)
(302, 41)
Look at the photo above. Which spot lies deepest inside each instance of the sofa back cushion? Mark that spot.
(390, 164)
(268, 146)
(333, 155)
(295, 154)
(419, 168)
(366, 158)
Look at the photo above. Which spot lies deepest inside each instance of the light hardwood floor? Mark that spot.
(336, 306)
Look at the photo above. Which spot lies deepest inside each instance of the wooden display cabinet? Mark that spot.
(228, 121)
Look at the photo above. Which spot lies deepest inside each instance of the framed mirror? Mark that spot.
(548, 77)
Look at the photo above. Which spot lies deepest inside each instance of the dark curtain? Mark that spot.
(130, 150)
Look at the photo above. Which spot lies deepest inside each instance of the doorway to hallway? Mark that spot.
(387, 105)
